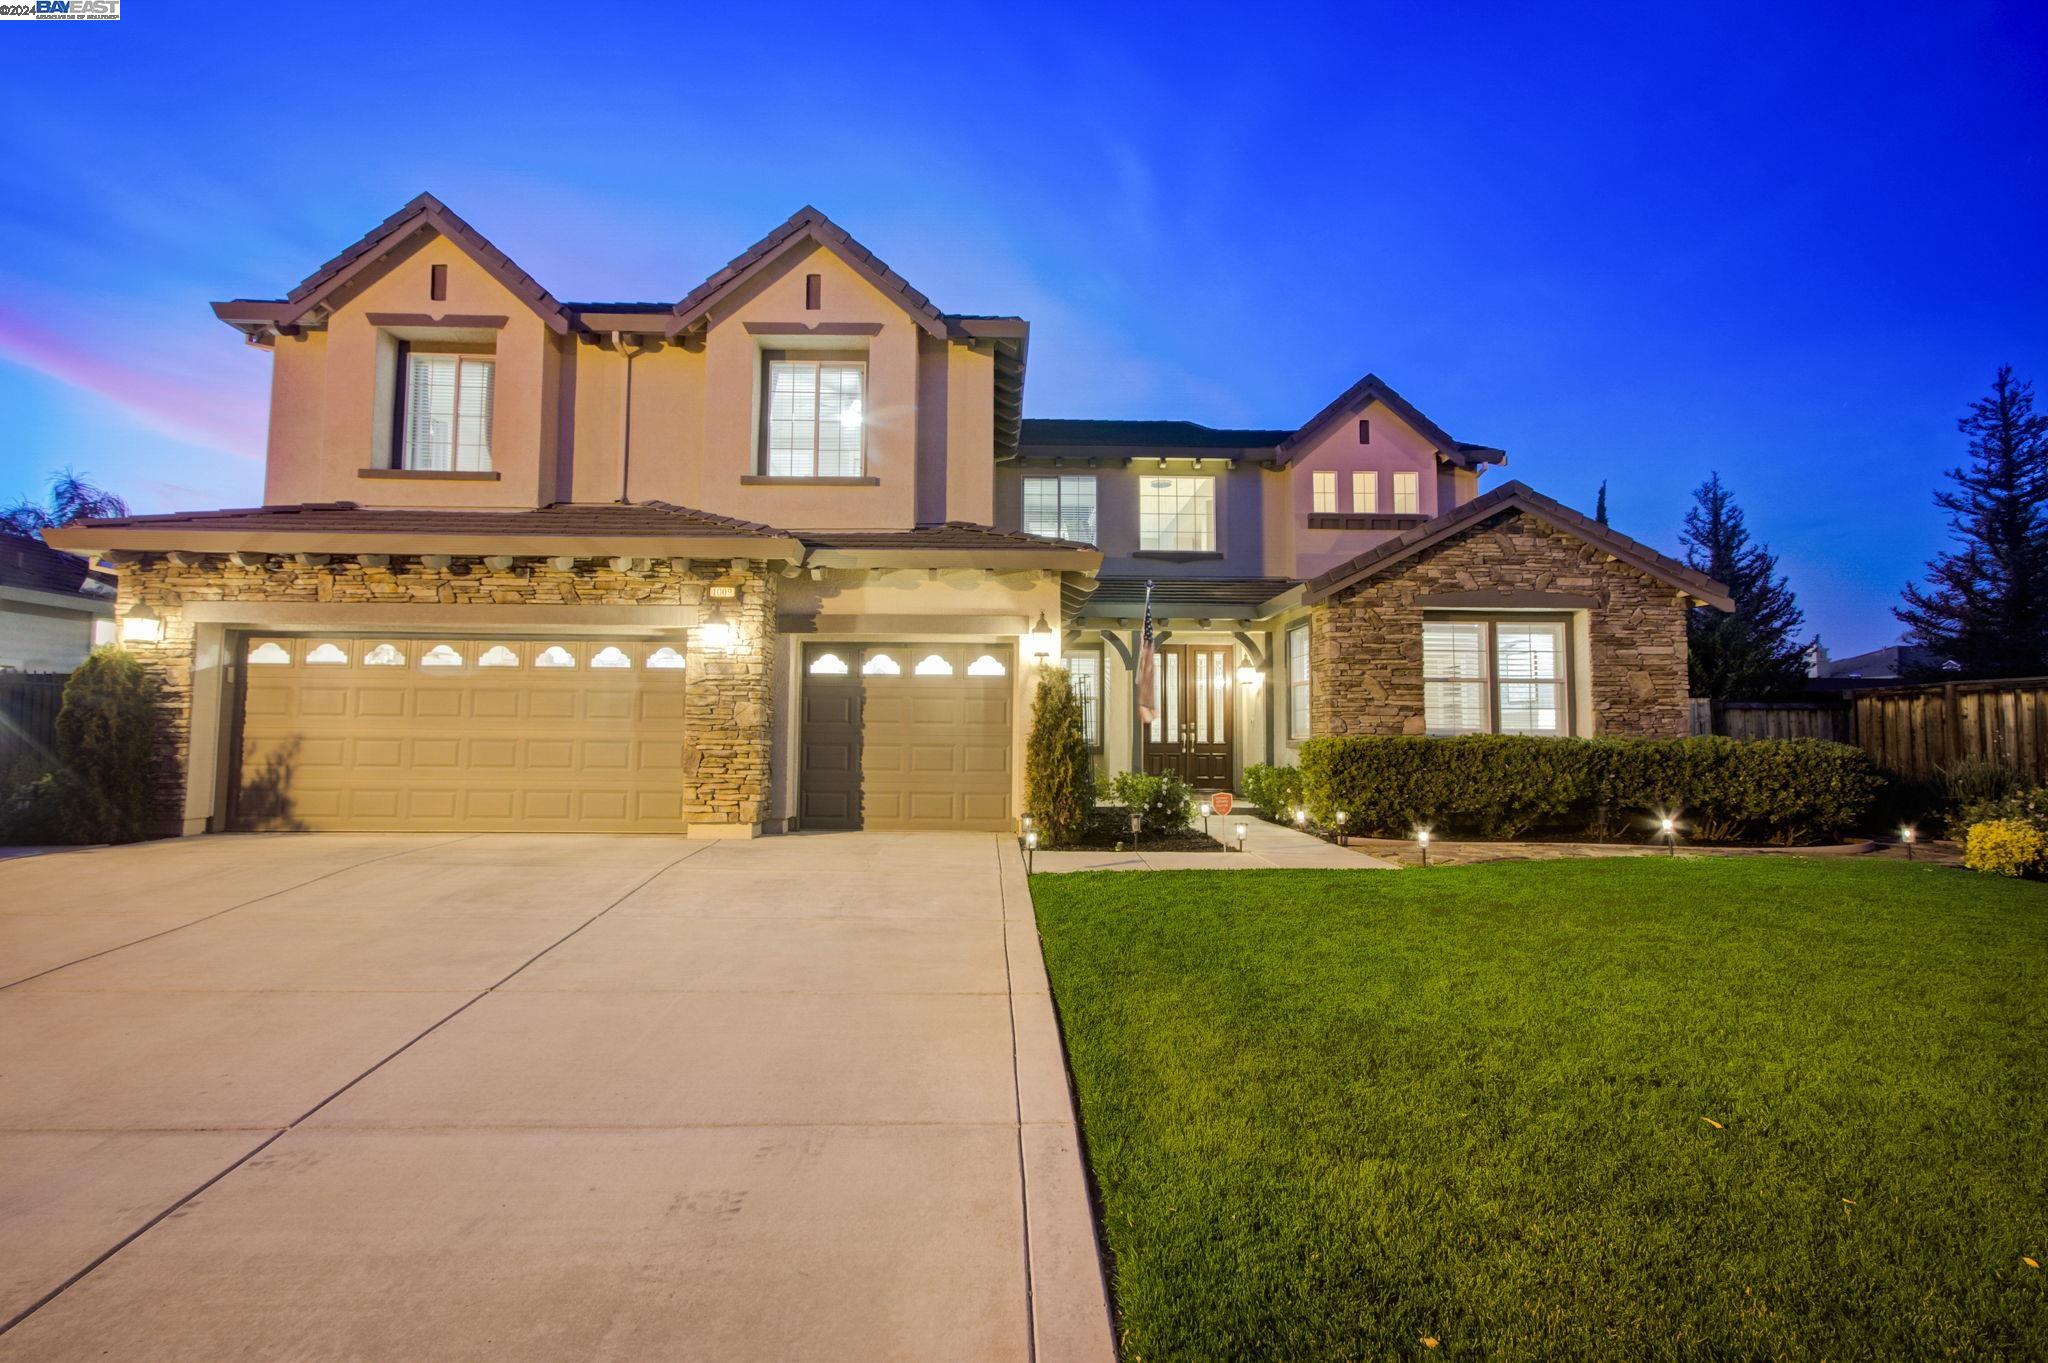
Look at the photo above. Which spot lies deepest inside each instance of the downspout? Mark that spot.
(626, 416)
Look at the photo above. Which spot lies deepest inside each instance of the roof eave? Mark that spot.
(98, 540)
(1000, 559)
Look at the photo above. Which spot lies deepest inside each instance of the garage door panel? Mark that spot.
(411, 745)
(907, 750)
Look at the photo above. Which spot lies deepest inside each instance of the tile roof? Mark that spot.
(1049, 432)
(1372, 388)
(563, 518)
(1185, 596)
(950, 535)
(1516, 496)
(28, 564)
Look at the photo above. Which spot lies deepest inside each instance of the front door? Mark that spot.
(1190, 735)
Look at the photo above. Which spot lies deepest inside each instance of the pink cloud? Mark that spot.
(182, 406)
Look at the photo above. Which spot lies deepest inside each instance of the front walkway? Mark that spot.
(1266, 846)
(495, 1097)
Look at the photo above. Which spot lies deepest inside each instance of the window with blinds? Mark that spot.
(447, 420)
(816, 412)
(1494, 676)
(1060, 507)
(1297, 681)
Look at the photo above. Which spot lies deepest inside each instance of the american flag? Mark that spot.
(1147, 668)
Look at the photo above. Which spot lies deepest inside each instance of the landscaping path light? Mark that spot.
(1422, 838)
(1241, 831)
(1906, 836)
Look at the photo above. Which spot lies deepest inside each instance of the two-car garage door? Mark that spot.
(537, 735)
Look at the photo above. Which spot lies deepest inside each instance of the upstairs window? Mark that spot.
(1061, 507)
(817, 410)
(1325, 487)
(1502, 676)
(1407, 494)
(1177, 514)
(1365, 493)
(446, 421)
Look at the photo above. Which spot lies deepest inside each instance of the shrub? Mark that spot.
(1166, 803)
(1787, 790)
(1977, 780)
(1275, 790)
(1059, 780)
(2028, 806)
(2006, 847)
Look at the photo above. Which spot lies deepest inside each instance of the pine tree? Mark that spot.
(1983, 610)
(1600, 505)
(1752, 653)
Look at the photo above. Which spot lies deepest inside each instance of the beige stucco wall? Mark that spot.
(327, 423)
(1396, 447)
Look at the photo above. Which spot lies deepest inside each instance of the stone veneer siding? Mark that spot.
(1365, 645)
(729, 699)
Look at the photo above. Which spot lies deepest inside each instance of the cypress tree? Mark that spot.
(1600, 504)
(1059, 780)
(1752, 653)
(1983, 610)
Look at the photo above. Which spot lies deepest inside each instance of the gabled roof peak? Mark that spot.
(1370, 389)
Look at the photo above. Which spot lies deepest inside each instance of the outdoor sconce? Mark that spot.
(1039, 640)
(716, 634)
(1422, 840)
(1906, 836)
(1241, 830)
(141, 626)
(1249, 677)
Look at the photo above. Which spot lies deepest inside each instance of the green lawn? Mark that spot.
(1332, 1113)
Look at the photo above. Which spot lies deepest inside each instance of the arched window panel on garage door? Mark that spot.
(270, 653)
(326, 653)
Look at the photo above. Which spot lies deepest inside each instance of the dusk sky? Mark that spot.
(1634, 246)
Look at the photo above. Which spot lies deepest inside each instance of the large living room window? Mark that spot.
(817, 411)
(1060, 507)
(446, 423)
(1177, 514)
(1503, 676)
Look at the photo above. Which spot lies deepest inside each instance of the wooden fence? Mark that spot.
(1913, 731)
(29, 702)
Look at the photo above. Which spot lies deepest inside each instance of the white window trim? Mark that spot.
(1064, 486)
(819, 362)
(1298, 730)
(1323, 492)
(1489, 679)
(1365, 492)
(1411, 485)
(409, 455)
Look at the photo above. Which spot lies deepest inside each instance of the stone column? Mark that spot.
(731, 709)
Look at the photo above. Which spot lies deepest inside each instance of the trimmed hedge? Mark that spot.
(1275, 790)
(1721, 790)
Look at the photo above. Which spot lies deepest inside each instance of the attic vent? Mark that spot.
(437, 283)
(814, 291)
(1364, 431)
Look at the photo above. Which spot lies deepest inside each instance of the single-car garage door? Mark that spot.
(906, 736)
(484, 735)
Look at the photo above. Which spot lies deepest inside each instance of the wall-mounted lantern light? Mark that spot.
(1038, 642)
(716, 634)
(141, 625)
(1249, 677)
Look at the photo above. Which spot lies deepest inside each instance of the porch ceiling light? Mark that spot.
(141, 625)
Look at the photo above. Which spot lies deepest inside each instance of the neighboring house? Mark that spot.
(1891, 663)
(785, 553)
(53, 608)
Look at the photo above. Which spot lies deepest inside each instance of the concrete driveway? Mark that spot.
(439, 1097)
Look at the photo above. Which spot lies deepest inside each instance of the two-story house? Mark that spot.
(786, 553)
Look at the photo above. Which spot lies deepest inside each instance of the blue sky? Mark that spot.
(1637, 244)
